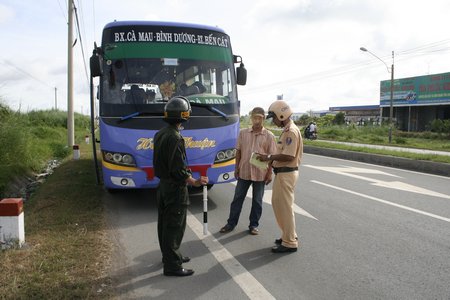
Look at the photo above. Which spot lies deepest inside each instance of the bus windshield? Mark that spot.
(149, 81)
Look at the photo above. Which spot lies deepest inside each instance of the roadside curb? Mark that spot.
(424, 166)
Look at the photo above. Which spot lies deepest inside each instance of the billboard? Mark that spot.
(421, 90)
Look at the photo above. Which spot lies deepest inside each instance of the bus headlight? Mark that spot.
(128, 159)
(123, 159)
(225, 155)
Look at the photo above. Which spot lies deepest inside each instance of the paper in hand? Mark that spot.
(263, 165)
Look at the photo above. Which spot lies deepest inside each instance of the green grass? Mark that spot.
(67, 252)
(29, 140)
(379, 135)
(403, 154)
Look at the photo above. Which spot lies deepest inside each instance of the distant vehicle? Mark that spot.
(141, 65)
(310, 131)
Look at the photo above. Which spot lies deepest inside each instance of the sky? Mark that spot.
(306, 50)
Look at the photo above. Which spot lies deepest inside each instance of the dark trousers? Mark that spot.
(172, 209)
(239, 196)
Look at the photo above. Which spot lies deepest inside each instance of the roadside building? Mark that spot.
(416, 101)
(360, 115)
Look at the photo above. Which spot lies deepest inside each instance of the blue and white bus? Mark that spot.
(141, 65)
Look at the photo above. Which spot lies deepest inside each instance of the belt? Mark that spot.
(284, 169)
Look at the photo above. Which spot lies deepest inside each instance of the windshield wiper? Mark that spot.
(139, 113)
(207, 106)
(212, 109)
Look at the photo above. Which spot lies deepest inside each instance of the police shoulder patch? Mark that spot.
(288, 140)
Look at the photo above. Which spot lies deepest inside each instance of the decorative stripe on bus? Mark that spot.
(120, 168)
(224, 164)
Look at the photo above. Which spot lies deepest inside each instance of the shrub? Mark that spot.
(399, 140)
(15, 150)
(29, 140)
(51, 118)
(59, 150)
(339, 119)
(5, 111)
(376, 139)
(440, 126)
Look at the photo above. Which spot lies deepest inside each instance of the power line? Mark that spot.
(81, 44)
(83, 24)
(6, 62)
(62, 11)
(93, 18)
(313, 77)
(407, 54)
(431, 45)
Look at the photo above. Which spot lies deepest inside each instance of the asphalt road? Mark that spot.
(366, 232)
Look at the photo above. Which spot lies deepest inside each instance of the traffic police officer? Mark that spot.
(169, 161)
(285, 166)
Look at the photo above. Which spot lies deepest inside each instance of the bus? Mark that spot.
(140, 65)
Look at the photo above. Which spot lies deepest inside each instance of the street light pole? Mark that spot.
(391, 109)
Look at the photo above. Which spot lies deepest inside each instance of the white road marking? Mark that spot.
(251, 287)
(365, 171)
(397, 185)
(378, 166)
(384, 201)
(297, 209)
(267, 198)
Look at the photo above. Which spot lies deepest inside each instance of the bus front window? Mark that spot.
(149, 81)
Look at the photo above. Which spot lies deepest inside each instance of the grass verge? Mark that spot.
(67, 250)
(403, 154)
(377, 136)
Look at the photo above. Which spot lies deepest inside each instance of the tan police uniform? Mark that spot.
(286, 174)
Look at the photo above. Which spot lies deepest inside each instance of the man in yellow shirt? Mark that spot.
(285, 166)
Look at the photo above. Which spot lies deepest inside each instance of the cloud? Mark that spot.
(307, 50)
(298, 13)
(6, 14)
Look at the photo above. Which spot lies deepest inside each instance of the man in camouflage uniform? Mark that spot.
(170, 166)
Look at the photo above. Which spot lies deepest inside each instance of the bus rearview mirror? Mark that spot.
(241, 74)
(95, 62)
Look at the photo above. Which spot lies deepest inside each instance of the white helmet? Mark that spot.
(280, 109)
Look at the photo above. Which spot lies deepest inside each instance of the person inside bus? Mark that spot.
(170, 165)
(182, 89)
(135, 95)
(150, 96)
(201, 87)
(256, 139)
(191, 90)
(194, 89)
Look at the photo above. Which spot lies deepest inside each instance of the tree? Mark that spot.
(303, 120)
(339, 118)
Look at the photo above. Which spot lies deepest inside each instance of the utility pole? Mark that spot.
(70, 115)
(56, 98)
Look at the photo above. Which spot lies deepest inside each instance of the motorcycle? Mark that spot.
(310, 135)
